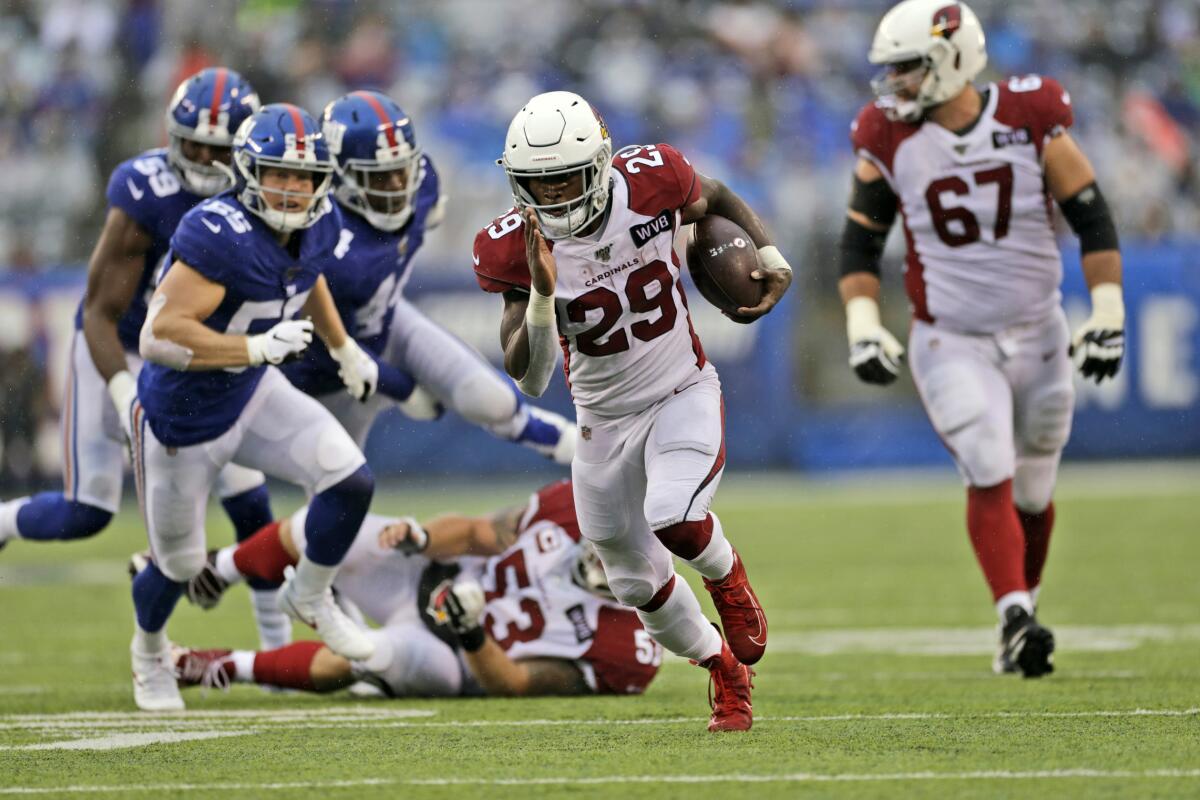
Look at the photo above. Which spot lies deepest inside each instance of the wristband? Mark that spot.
(540, 311)
(1108, 306)
(862, 318)
(472, 640)
(771, 258)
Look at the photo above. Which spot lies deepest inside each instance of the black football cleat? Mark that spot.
(205, 588)
(1025, 646)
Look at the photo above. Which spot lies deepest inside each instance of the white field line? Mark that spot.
(116, 741)
(794, 777)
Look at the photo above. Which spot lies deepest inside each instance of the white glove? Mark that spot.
(286, 340)
(122, 388)
(1097, 347)
(357, 369)
(875, 355)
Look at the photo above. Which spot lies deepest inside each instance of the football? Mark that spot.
(720, 257)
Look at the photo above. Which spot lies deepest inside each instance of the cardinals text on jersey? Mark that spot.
(627, 335)
(977, 218)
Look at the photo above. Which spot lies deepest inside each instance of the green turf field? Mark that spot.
(876, 681)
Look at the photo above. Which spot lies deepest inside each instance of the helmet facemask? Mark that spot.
(385, 210)
(588, 572)
(310, 205)
(570, 217)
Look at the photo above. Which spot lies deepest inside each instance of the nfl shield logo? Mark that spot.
(585, 432)
(604, 252)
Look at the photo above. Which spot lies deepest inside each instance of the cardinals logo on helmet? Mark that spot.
(946, 21)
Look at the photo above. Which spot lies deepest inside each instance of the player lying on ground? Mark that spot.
(972, 171)
(147, 196)
(648, 402)
(388, 191)
(514, 604)
(243, 265)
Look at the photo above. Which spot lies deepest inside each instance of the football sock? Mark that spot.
(675, 621)
(249, 512)
(335, 515)
(8, 518)
(261, 556)
(242, 666)
(716, 559)
(1037, 528)
(49, 516)
(996, 537)
(154, 598)
(274, 626)
(226, 567)
(312, 579)
(289, 667)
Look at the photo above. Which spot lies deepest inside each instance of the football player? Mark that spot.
(518, 598)
(388, 191)
(241, 267)
(648, 402)
(972, 170)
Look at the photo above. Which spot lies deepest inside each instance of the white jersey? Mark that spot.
(622, 314)
(534, 609)
(982, 254)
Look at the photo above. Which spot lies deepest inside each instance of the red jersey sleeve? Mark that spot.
(660, 178)
(876, 137)
(623, 656)
(499, 255)
(554, 503)
(1037, 103)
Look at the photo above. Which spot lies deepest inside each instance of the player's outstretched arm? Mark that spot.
(875, 355)
(113, 274)
(528, 328)
(1099, 345)
(357, 369)
(175, 335)
(452, 535)
(775, 272)
(501, 676)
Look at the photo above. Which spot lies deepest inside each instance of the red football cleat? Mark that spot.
(729, 692)
(742, 618)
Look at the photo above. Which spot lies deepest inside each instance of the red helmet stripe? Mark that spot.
(298, 123)
(218, 90)
(386, 122)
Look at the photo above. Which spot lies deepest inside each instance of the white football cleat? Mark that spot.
(155, 686)
(323, 615)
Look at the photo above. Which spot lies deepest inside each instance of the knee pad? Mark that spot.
(959, 410)
(1033, 482)
(182, 565)
(1047, 420)
(483, 398)
(632, 591)
(335, 449)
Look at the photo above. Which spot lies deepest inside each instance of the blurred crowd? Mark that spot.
(758, 93)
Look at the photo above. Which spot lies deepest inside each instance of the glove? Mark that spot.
(875, 355)
(412, 541)
(283, 342)
(1098, 346)
(357, 369)
(122, 388)
(458, 606)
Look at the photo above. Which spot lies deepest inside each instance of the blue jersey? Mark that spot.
(148, 190)
(265, 283)
(366, 277)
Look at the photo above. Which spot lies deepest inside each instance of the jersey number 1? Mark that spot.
(968, 223)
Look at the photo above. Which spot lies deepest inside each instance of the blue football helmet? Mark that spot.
(207, 108)
(378, 160)
(282, 136)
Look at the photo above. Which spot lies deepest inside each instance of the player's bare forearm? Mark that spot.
(329, 671)
(1102, 266)
(514, 339)
(178, 336)
(858, 284)
(321, 309)
(717, 198)
(453, 535)
(500, 676)
(113, 274)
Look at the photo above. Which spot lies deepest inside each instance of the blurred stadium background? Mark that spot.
(759, 94)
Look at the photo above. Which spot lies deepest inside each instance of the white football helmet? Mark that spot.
(555, 135)
(943, 43)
